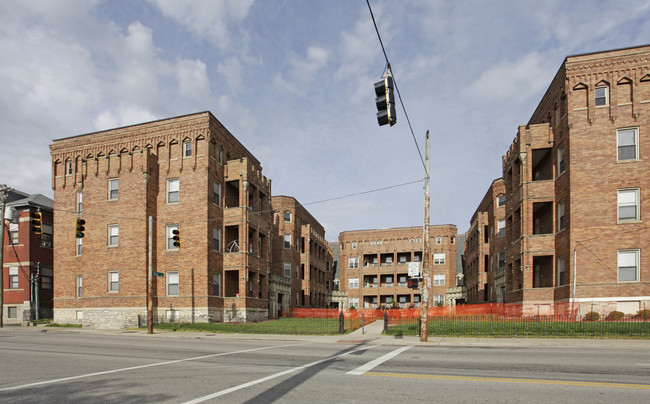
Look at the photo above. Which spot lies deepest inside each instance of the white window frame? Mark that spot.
(187, 148)
(12, 312)
(173, 191)
(79, 247)
(170, 237)
(438, 299)
(623, 262)
(501, 225)
(439, 258)
(499, 260)
(216, 193)
(619, 132)
(68, 167)
(287, 269)
(113, 235)
(501, 200)
(14, 282)
(438, 279)
(353, 283)
(113, 189)
(622, 202)
(79, 202)
(287, 242)
(605, 96)
(353, 302)
(79, 286)
(354, 245)
(561, 271)
(286, 216)
(172, 280)
(353, 262)
(216, 239)
(561, 161)
(113, 281)
(389, 280)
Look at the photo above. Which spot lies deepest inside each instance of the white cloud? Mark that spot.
(212, 20)
(231, 69)
(123, 115)
(305, 69)
(193, 80)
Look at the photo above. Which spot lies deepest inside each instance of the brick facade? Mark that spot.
(374, 265)
(577, 188)
(186, 172)
(301, 252)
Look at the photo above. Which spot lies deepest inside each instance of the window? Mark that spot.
(79, 246)
(628, 265)
(216, 239)
(502, 259)
(187, 149)
(13, 236)
(438, 300)
(560, 160)
(453, 239)
(626, 141)
(602, 96)
(216, 193)
(79, 286)
(561, 217)
(216, 284)
(353, 302)
(46, 278)
(13, 278)
(501, 200)
(113, 188)
(354, 245)
(287, 270)
(378, 242)
(46, 237)
(220, 156)
(68, 167)
(287, 241)
(353, 262)
(287, 216)
(353, 283)
(412, 240)
(439, 280)
(628, 204)
(170, 236)
(113, 281)
(113, 234)
(389, 281)
(561, 274)
(438, 240)
(12, 312)
(172, 190)
(439, 259)
(79, 202)
(501, 228)
(172, 283)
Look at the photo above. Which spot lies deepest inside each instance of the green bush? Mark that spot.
(592, 316)
(615, 315)
(643, 314)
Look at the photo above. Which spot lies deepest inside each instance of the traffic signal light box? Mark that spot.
(385, 101)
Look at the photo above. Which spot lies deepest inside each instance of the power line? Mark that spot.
(399, 95)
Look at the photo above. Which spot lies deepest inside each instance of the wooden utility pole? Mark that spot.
(426, 276)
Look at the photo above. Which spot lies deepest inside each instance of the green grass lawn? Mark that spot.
(293, 326)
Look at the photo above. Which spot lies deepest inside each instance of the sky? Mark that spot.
(293, 81)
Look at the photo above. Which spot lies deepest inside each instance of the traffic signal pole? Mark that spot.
(426, 275)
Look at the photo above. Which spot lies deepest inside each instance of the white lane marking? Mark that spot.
(370, 365)
(106, 372)
(273, 376)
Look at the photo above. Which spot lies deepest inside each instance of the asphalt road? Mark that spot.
(74, 366)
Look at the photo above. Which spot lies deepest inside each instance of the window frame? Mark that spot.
(286, 241)
(113, 281)
(501, 200)
(168, 283)
(637, 207)
(637, 269)
(111, 242)
(501, 234)
(169, 236)
(439, 280)
(286, 216)
(78, 247)
(14, 280)
(217, 193)
(113, 189)
(353, 262)
(216, 284)
(287, 269)
(636, 144)
(605, 96)
(561, 272)
(187, 148)
(561, 160)
(561, 215)
(79, 202)
(79, 286)
(439, 258)
(216, 241)
(353, 283)
(169, 192)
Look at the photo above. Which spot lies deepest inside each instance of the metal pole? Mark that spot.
(150, 280)
(3, 202)
(424, 310)
(575, 270)
(36, 290)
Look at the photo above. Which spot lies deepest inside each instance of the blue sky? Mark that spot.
(293, 81)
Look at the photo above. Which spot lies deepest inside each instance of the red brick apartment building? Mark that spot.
(577, 188)
(187, 173)
(302, 272)
(485, 243)
(27, 258)
(374, 266)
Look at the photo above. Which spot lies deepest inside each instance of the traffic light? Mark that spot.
(412, 283)
(176, 237)
(37, 222)
(79, 233)
(385, 101)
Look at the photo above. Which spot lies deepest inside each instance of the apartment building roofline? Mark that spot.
(396, 228)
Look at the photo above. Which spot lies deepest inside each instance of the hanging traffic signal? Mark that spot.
(412, 283)
(385, 101)
(37, 222)
(176, 237)
(79, 233)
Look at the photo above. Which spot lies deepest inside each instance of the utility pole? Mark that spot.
(150, 280)
(4, 191)
(426, 276)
